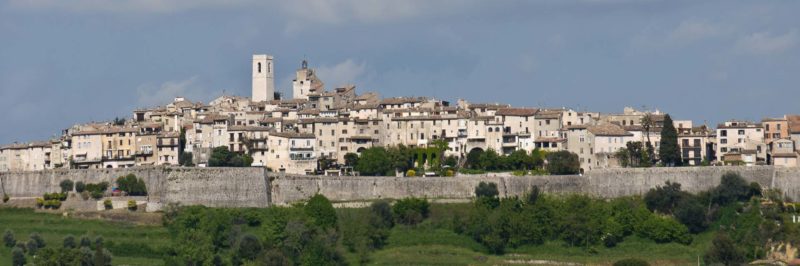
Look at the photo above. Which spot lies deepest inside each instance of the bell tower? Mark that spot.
(263, 78)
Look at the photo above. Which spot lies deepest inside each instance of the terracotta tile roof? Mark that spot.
(401, 100)
(309, 111)
(293, 135)
(517, 111)
(249, 128)
(608, 129)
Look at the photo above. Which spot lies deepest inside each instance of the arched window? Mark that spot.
(490, 129)
(269, 67)
(259, 67)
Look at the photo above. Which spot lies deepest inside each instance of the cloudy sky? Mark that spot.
(65, 62)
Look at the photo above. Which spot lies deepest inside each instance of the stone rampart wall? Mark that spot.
(253, 187)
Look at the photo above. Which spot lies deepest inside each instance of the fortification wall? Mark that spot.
(252, 187)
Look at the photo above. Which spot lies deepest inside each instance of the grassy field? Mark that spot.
(131, 244)
(423, 246)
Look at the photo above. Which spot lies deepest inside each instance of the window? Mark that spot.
(723, 149)
(741, 131)
(723, 133)
(259, 67)
(490, 129)
(778, 125)
(723, 141)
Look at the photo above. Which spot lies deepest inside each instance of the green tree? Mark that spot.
(102, 257)
(249, 247)
(411, 211)
(220, 156)
(581, 222)
(80, 186)
(8, 238)
(17, 257)
(350, 159)
(474, 159)
(69, 242)
(450, 161)
(321, 211)
(691, 212)
(38, 240)
(401, 158)
(66, 185)
(668, 150)
(563, 163)
(374, 161)
(31, 246)
(663, 199)
(731, 188)
(486, 190)
(724, 251)
(132, 185)
(490, 160)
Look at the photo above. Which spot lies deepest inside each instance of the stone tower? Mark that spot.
(263, 78)
(306, 82)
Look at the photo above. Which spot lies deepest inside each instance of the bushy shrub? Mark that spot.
(6, 198)
(52, 204)
(80, 186)
(563, 163)
(55, 196)
(38, 240)
(723, 251)
(663, 199)
(132, 185)
(664, 230)
(411, 172)
(31, 247)
(631, 262)
(411, 211)
(691, 213)
(732, 187)
(66, 185)
(486, 190)
(85, 195)
(17, 257)
(107, 204)
(449, 172)
(321, 211)
(39, 202)
(69, 242)
(8, 238)
(132, 205)
(249, 247)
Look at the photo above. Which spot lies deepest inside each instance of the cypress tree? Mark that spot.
(668, 149)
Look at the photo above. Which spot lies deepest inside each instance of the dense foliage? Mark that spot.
(563, 163)
(669, 152)
(519, 160)
(222, 157)
(66, 185)
(132, 185)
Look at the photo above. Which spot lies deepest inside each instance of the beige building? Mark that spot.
(292, 153)
(741, 142)
(87, 149)
(119, 147)
(696, 145)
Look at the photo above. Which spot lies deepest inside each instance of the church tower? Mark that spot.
(263, 78)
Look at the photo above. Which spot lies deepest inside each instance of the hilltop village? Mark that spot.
(293, 134)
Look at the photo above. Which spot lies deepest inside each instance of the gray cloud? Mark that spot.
(152, 95)
(766, 43)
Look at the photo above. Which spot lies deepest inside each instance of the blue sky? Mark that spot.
(65, 62)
